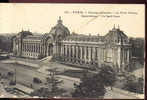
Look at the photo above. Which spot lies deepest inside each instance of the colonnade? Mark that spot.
(31, 50)
(80, 54)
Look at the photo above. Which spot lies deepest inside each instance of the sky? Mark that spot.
(92, 18)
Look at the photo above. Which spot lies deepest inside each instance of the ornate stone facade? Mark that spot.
(113, 48)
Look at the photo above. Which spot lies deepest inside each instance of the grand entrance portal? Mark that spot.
(50, 50)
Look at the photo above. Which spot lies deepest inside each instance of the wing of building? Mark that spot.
(113, 48)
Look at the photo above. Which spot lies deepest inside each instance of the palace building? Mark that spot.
(114, 48)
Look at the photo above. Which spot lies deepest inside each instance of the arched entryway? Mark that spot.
(50, 49)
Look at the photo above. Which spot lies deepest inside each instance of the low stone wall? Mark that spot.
(76, 80)
(21, 62)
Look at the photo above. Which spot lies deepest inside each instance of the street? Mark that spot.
(25, 75)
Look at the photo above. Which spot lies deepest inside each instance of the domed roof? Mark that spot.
(116, 35)
(59, 31)
(23, 33)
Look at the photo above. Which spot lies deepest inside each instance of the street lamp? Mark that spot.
(15, 76)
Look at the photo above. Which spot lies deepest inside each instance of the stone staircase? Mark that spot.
(46, 59)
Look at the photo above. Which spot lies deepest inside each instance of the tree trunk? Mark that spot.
(111, 88)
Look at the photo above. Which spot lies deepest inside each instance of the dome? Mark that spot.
(59, 31)
(116, 35)
(23, 34)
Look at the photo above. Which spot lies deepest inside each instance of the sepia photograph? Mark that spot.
(58, 50)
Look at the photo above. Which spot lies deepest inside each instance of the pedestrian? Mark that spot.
(31, 86)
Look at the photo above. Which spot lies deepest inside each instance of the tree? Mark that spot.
(51, 88)
(54, 83)
(90, 87)
(108, 75)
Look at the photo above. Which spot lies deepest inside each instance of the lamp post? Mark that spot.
(15, 75)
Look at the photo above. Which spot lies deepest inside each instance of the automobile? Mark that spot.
(10, 73)
(36, 80)
(2, 82)
(9, 89)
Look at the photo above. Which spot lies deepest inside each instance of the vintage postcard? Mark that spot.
(72, 50)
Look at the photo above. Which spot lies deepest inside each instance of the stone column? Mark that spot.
(73, 53)
(96, 54)
(47, 49)
(37, 50)
(40, 48)
(92, 54)
(61, 52)
(29, 48)
(44, 49)
(77, 53)
(81, 55)
(24, 47)
(54, 49)
(70, 50)
(85, 55)
(89, 56)
(34, 49)
(119, 58)
(112, 55)
(65, 52)
(128, 56)
(103, 54)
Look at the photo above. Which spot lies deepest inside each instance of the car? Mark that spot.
(2, 82)
(10, 73)
(9, 89)
(36, 80)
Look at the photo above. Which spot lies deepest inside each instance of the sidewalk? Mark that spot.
(117, 93)
(42, 68)
(31, 63)
(23, 88)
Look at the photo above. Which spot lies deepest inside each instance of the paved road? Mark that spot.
(23, 75)
(119, 94)
(26, 74)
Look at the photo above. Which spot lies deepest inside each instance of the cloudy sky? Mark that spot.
(92, 19)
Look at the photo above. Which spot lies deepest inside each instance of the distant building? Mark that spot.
(114, 48)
